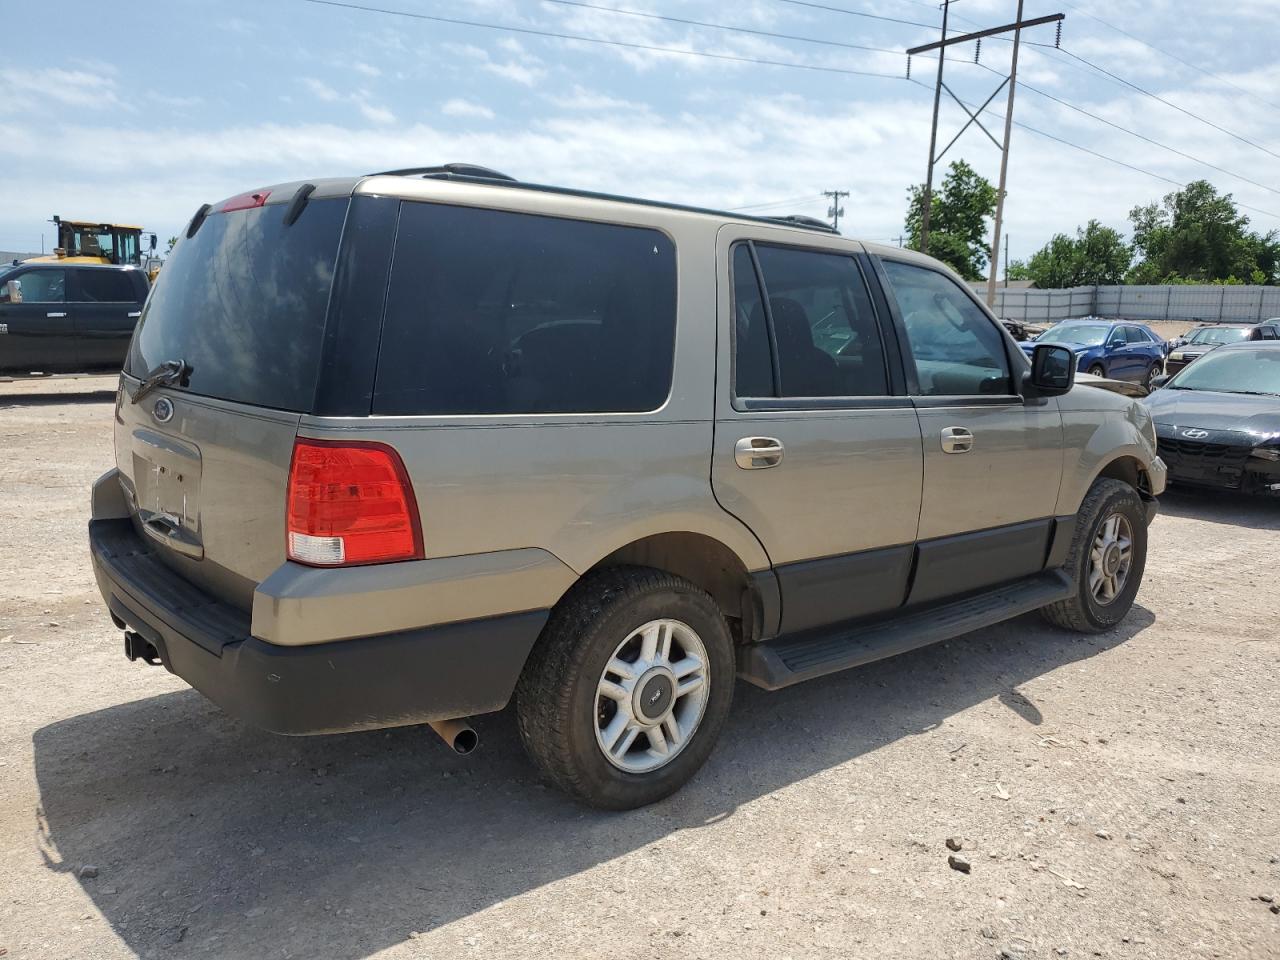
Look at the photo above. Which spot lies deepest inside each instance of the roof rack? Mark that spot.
(448, 170)
(800, 220)
(473, 173)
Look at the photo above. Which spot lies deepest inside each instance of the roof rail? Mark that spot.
(448, 170)
(800, 220)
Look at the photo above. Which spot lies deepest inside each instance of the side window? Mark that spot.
(957, 349)
(752, 357)
(823, 325)
(1134, 335)
(43, 286)
(493, 312)
(1268, 333)
(105, 286)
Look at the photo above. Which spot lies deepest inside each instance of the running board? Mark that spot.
(783, 661)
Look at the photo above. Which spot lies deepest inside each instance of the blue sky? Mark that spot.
(141, 113)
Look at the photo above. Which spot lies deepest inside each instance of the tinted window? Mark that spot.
(105, 286)
(43, 286)
(495, 312)
(1139, 335)
(753, 363)
(1268, 333)
(957, 348)
(826, 334)
(243, 303)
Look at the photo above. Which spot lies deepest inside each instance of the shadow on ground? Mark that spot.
(1222, 506)
(212, 838)
(15, 400)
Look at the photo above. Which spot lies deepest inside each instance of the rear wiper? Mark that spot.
(167, 373)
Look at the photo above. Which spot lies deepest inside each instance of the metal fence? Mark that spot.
(1198, 303)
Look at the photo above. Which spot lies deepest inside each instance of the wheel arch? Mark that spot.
(747, 599)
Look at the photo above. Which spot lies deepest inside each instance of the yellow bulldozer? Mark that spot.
(81, 241)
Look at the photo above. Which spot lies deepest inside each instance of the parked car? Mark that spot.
(401, 448)
(1204, 339)
(1118, 350)
(1020, 330)
(57, 318)
(1218, 422)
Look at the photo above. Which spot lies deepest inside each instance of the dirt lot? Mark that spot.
(1117, 796)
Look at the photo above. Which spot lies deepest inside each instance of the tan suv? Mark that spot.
(402, 448)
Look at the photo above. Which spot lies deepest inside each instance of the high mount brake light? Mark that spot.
(246, 201)
(350, 503)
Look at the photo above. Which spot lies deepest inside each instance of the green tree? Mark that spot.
(958, 232)
(173, 242)
(1095, 255)
(1018, 270)
(1197, 235)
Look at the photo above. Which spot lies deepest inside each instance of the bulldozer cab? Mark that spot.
(100, 242)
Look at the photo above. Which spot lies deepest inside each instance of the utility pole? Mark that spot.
(1003, 146)
(835, 211)
(1006, 261)
(933, 134)
(1004, 164)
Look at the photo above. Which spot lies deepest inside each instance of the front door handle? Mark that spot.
(956, 440)
(756, 453)
(55, 316)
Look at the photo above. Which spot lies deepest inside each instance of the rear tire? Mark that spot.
(625, 641)
(1107, 558)
(1151, 375)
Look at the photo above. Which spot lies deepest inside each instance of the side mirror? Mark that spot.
(1160, 381)
(153, 241)
(11, 292)
(1053, 371)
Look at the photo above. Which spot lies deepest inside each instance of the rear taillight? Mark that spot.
(350, 503)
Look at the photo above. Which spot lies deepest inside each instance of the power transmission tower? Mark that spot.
(835, 211)
(1011, 81)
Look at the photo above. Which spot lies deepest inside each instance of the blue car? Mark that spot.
(1117, 349)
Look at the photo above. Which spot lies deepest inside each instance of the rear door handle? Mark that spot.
(55, 316)
(757, 453)
(956, 440)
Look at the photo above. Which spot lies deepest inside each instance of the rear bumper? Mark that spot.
(408, 677)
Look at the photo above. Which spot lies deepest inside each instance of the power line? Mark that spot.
(721, 26)
(858, 13)
(1103, 156)
(1171, 56)
(777, 203)
(551, 34)
(1170, 103)
(1134, 133)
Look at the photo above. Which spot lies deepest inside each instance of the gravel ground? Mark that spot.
(1116, 796)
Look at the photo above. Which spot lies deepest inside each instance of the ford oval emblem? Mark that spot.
(1195, 434)
(163, 410)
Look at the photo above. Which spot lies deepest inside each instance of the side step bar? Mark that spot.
(786, 660)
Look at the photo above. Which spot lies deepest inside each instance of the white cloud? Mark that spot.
(369, 110)
(367, 69)
(25, 89)
(465, 108)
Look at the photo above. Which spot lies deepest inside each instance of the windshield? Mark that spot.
(1233, 371)
(1217, 335)
(1085, 334)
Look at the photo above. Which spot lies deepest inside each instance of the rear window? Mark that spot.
(105, 286)
(243, 303)
(491, 312)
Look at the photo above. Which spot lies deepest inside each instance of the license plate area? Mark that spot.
(166, 483)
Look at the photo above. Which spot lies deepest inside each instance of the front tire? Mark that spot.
(1107, 558)
(628, 688)
(1097, 370)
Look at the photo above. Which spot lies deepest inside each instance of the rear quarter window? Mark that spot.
(492, 312)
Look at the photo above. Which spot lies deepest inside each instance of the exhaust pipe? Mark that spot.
(458, 734)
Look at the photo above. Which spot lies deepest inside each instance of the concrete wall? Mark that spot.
(1198, 303)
